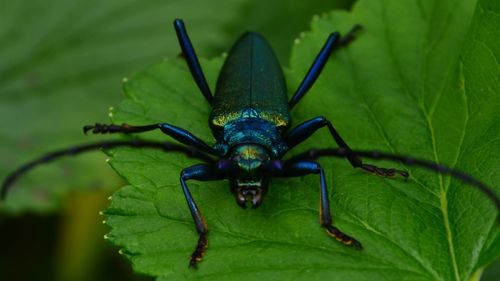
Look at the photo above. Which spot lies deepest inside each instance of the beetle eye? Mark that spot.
(273, 166)
(227, 165)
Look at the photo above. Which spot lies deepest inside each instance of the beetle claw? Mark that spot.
(199, 251)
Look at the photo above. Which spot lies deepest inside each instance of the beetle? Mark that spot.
(251, 124)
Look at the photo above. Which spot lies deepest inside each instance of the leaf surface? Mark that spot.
(422, 79)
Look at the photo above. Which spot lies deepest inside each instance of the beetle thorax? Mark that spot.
(249, 184)
(249, 136)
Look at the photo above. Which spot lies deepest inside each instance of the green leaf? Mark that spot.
(61, 63)
(272, 20)
(422, 79)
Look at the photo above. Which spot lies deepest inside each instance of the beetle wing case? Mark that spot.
(250, 78)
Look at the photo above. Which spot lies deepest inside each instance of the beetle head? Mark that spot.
(249, 183)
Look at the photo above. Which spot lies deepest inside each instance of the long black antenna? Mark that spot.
(317, 153)
(51, 156)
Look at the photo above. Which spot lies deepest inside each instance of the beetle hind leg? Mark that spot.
(334, 42)
(189, 54)
(350, 36)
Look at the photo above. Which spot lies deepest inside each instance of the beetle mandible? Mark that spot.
(250, 121)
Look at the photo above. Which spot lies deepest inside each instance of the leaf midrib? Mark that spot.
(443, 199)
(428, 118)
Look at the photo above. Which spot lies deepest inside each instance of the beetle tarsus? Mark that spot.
(199, 251)
(99, 128)
(350, 36)
(343, 238)
(384, 172)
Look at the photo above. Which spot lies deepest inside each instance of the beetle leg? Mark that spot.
(192, 60)
(176, 133)
(99, 128)
(301, 168)
(202, 172)
(305, 130)
(333, 42)
(349, 37)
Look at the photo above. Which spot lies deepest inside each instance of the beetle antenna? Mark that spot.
(51, 156)
(317, 153)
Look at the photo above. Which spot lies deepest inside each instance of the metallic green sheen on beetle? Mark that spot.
(250, 121)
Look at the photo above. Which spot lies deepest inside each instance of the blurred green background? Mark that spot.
(61, 67)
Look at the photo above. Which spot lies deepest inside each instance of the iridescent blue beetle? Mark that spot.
(250, 121)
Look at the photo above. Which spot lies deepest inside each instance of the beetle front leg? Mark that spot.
(305, 130)
(201, 172)
(301, 168)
